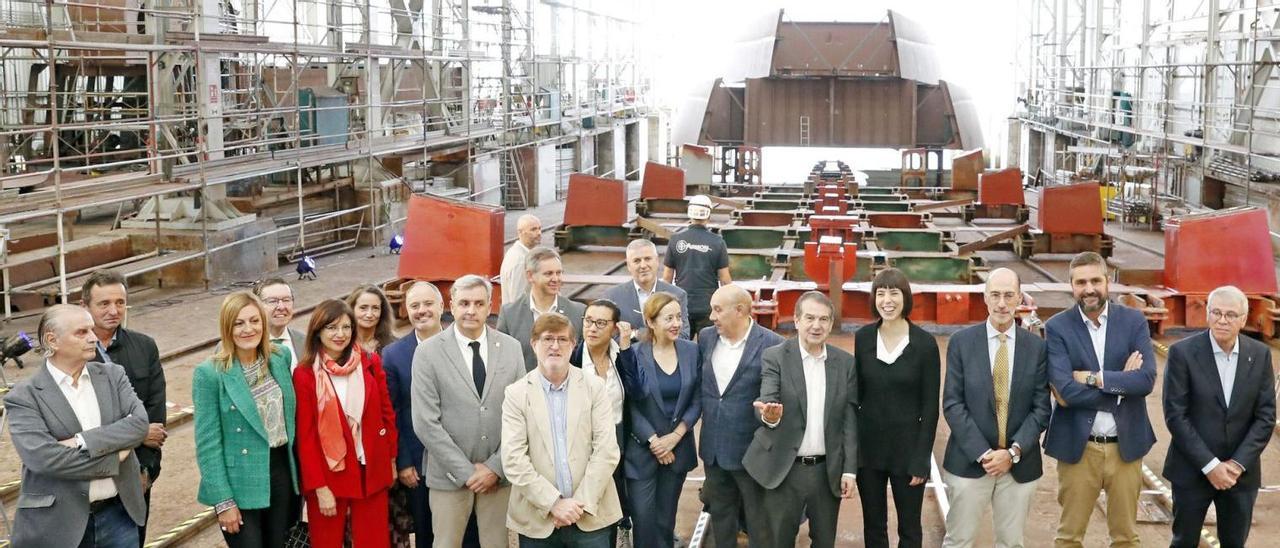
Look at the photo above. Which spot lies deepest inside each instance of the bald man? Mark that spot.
(514, 283)
(996, 401)
(732, 349)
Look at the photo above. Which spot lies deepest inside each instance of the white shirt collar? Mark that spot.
(60, 378)
(554, 304)
(1102, 318)
(1217, 350)
(805, 355)
(643, 291)
(1008, 333)
(747, 334)
(482, 339)
(614, 349)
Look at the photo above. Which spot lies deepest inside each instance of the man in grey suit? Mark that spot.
(459, 381)
(544, 270)
(277, 296)
(74, 425)
(996, 401)
(806, 458)
(642, 263)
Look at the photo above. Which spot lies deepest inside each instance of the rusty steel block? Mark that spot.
(445, 239)
(888, 219)
(966, 170)
(662, 181)
(1003, 187)
(828, 256)
(1208, 250)
(595, 201)
(1070, 209)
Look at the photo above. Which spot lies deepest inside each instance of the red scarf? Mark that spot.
(330, 420)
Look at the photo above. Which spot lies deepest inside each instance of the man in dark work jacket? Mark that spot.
(105, 296)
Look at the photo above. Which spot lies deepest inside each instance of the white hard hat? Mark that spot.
(699, 207)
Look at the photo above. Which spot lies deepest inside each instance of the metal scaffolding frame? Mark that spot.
(113, 102)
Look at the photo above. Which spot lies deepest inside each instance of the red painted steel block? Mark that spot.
(1070, 209)
(952, 308)
(662, 181)
(595, 201)
(1208, 250)
(445, 239)
(1002, 187)
(966, 170)
(819, 256)
(840, 226)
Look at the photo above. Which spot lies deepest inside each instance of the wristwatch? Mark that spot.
(1015, 455)
(1091, 379)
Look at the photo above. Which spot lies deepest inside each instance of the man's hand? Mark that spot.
(124, 454)
(409, 477)
(146, 481)
(847, 487)
(566, 512)
(69, 442)
(1222, 477)
(1081, 376)
(1058, 397)
(156, 435)
(482, 480)
(1134, 362)
(624, 335)
(917, 481)
(771, 412)
(667, 458)
(1236, 469)
(997, 463)
(324, 499)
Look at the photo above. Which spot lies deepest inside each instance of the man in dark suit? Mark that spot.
(806, 458)
(277, 297)
(731, 353)
(642, 263)
(105, 296)
(543, 268)
(996, 401)
(1101, 369)
(1220, 405)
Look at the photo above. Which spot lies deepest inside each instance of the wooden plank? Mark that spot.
(655, 227)
(942, 205)
(992, 240)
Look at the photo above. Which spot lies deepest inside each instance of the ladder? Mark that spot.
(804, 131)
(512, 191)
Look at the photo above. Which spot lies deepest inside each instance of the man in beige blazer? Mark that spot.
(559, 448)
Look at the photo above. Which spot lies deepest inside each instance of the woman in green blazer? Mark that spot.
(244, 413)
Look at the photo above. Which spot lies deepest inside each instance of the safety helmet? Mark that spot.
(699, 207)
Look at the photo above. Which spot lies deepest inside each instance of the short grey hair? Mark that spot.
(471, 281)
(1230, 291)
(422, 283)
(637, 245)
(52, 321)
(820, 298)
(537, 255)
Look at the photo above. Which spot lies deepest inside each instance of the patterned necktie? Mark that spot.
(477, 367)
(1001, 377)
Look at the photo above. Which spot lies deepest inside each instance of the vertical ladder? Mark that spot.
(804, 131)
(512, 191)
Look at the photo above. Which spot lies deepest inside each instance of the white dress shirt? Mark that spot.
(612, 384)
(340, 383)
(993, 346)
(1226, 362)
(534, 307)
(726, 356)
(287, 341)
(643, 294)
(514, 282)
(815, 387)
(890, 355)
(84, 403)
(464, 346)
(1104, 423)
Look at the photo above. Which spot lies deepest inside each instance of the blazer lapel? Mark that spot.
(492, 367)
(579, 402)
(984, 364)
(795, 364)
(833, 373)
(748, 353)
(709, 367)
(238, 389)
(57, 402)
(1244, 371)
(1082, 333)
(650, 366)
(686, 380)
(1205, 349)
(108, 407)
(463, 366)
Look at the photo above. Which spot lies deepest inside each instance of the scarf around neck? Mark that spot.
(330, 419)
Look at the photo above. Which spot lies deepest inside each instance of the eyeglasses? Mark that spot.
(555, 341)
(1230, 316)
(274, 302)
(599, 324)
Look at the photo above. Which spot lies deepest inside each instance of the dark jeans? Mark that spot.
(571, 537)
(110, 527)
(907, 500)
(269, 527)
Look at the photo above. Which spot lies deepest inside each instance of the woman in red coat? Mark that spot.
(346, 432)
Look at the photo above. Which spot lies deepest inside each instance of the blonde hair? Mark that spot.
(653, 307)
(231, 307)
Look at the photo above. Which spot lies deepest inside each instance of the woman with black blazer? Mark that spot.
(659, 451)
(899, 373)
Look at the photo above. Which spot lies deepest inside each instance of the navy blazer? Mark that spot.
(649, 416)
(729, 420)
(969, 402)
(624, 295)
(1123, 392)
(397, 362)
(1202, 425)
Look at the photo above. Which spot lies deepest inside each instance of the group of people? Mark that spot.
(569, 424)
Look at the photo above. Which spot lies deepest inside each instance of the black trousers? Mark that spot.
(653, 507)
(620, 483)
(805, 492)
(1191, 503)
(142, 529)
(269, 527)
(728, 495)
(908, 500)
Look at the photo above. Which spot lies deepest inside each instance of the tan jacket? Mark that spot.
(527, 454)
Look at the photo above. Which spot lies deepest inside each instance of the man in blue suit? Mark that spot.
(1101, 369)
(731, 353)
(642, 263)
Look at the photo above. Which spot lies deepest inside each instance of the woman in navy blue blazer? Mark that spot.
(660, 452)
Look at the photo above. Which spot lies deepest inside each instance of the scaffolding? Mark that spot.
(189, 105)
(1181, 90)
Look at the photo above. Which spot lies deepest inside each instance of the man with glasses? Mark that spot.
(1220, 405)
(277, 296)
(559, 448)
(642, 263)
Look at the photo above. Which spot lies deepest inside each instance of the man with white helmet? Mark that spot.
(698, 262)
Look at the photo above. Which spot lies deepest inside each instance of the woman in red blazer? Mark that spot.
(346, 432)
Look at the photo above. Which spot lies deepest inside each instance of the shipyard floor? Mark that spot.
(180, 317)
